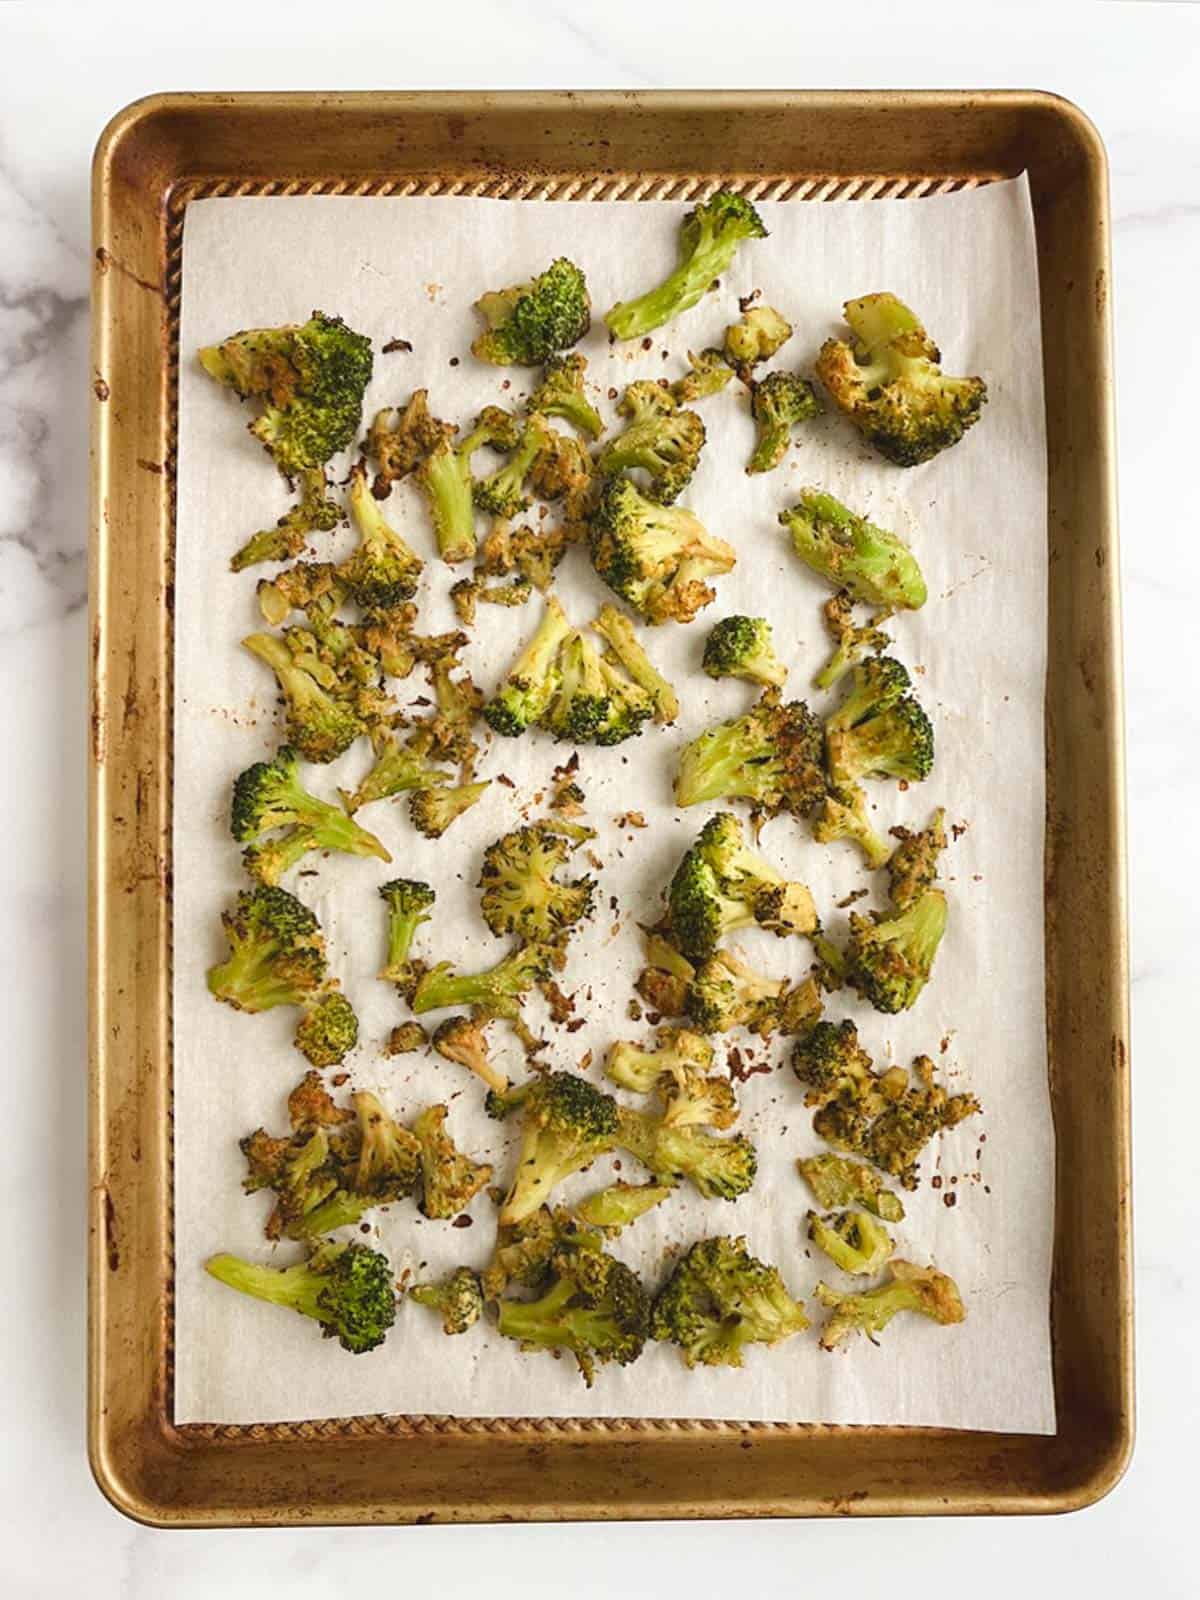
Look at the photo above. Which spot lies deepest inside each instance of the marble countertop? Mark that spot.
(65, 69)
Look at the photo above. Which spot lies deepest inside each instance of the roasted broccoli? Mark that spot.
(387, 1161)
(459, 1298)
(625, 650)
(664, 980)
(872, 565)
(836, 1182)
(894, 741)
(347, 1288)
(779, 402)
(561, 394)
(531, 681)
(853, 1240)
(721, 884)
(566, 1123)
(383, 572)
(912, 1288)
(832, 1063)
(876, 684)
(308, 1180)
(891, 386)
(913, 867)
(531, 322)
(772, 756)
(675, 1050)
(521, 1253)
(595, 702)
(296, 588)
(659, 438)
(443, 475)
(742, 647)
(277, 952)
(400, 440)
(431, 811)
(327, 1030)
(707, 373)
(609, 1210)
(719, 1299)
(408, 902)
(269, 795)
(520, 892)
(721, 1169)
(319, 725)
(889, 958)
(843, 815)
(708, 239)
(655, 557)
(400, 765)
(726, 993)
(503, 494)
(760, 334)
(464, 1041)
(450, 1180)
(406, 1037)
(314, 512)
(851, 641)
(442, 987)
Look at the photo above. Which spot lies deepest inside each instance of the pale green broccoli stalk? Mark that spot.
(319, 725)
(399, 766)
(327, 1030)
(347, 1288)
(532, 679)
(431, 811)
(773, 756)
(843, 815)
(530, 322)
(561, 394)
(383, 572)
(853, 1240)
(626, 650)
(719, 1299)
(891, 386)
(709, 236)
(761, 333)
(923, 1290)
(871, 564)
(444, 477)
(566, 1124)
(441, 987)
(450, 1180)
(277, 952)
(621, 1204)
(408, 902)
(655, 557)
(836, 1182)
(721, 1169)
(269, 795)
(742, 647)
(708, 373)
(676, 1049)
(458, 1298)
(521, 893)
(721, 884)
(778, 404)
(659, 439)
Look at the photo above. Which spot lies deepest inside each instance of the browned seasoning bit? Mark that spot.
(339, 1078)
(959, 828)
(936, 1180)
(562, 1006)
(635, 819)
(503, 777)
(949, 1200)
(404, 346)
(461, 1221)
(855, 894)
(454, 363)
(585, 1061)
(612, 393)
(647, 343)
(575, 1024)
(745, 301)
(593, 860)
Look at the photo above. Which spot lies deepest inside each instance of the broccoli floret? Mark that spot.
(310, 1105)
(876, 684)
(408, 902)
(779, 402)
(383, 572)
(660, 439)
(533, 553)
(347, 1288)
(459, 1298)
(464, 1040)
(676, 1049)
(664, 980)
(891, 386)
(626, 651)
(566, 1124)
(561, 394)
(773, 756)
(399, 766)
(595, 1307)
(277, 952)
(719, 1299)
(830, 1060)
(893, 1118)
(450, 1180)
(836, 1182)
(315, 513)
(431, 811)
(872, 565)
(913, 867)
(269, 795)
(296, 588)
(853, 1240)
(726, 993)
(889, 959)
(561, 470)
(300, 1170)
(843, 815)
(400, 440)
(621, 1204)
(742, 647)
(520, 892)
(503, 494)
(444, 477)
(708, 239)
(912, 1288)
(532, 679)
(895, 742)
(327, 1031)
(708, 373)
(629, 705)
(319, 725)
(531, 322)
(851, 642)
(521, 1254)
(760, 334)
(722, 884)
(442, 987)
(580, 705)
(406, 1037)
(387, 1157)
(655, 557)
(721, 1169)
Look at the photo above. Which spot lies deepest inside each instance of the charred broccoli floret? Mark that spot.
(742, 647)
(853, 1240)
(431, 811)
(843, 815)
(779, 402)
(722, 884)
(458, 1298)
(521, 894)
(660, 438)
(726, 993)
(277, 952)
(531, 681)
(889, 959)
(663, 982)
(444, 477)
(400, 765)
(580, 705)
(464, 1040)
(621, 1204)
(676, 1050)
(531, 322)
(761, 333)
(921, 1289)
(503, 494)
(566, 1124)
(561, 394)
(773, 756)
(872, 565)
(442, 987)
(626, 651)
(894, 742)
(327, 1031)
(409, 902)
(319, 725)
(450, 1180)
(836, 1182)
(913, 867)
(307, 1181)
(708, 239)
(891, 386)
(655, 557)
(400, 440)
(720, 1168)
(594, 1306)
(347, 1288)
(296, 588)
(269, 795)
(405, 1038)
(383, 572)
(387, 1160)
(707, 373)
(851, 641)
(522, 1251)
(719, 1299)
(314, 512)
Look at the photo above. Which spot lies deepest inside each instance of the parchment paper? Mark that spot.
(976, 516)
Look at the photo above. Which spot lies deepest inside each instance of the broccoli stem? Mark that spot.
(298, 1287)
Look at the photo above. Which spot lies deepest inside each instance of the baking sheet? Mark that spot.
(409, 268)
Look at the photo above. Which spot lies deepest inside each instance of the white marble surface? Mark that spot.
(63, 70)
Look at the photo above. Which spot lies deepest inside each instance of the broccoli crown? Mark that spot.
(459, 1298)
(450, 1180)
(640, 1070)
(311, 379)
(721, 1169)
(719, 1299)
(319, 726)
(581, 705)
(431, 811)
(725, 993)
(561, 394)
(660, 439)
(707, 373)
(742, 647)
(408, 902)
(920, 1289)
(889, 960)
(503, 494)
(836, 1182)
(891, 386)
(400, 440)
(895, 742)
(442, 987)
(399, 766)
(873, 565)
(721, 884)
(629, 705)
(779, 402)
(708, 239)
(913, 867)
(853, 1240)
(876, 684)
(655, 557)
(269, 795)
(277, 952)
(616, 1207)
(625, 649)
(328, 1030)
(595, 1307)
(383, 572)
(760, 334)
(773, 756)
(295, 588)
(532, 679)
(531, 322)
(520, 892)
(464, 1040)
(347, 1288)
(830, 1060)
(566, 1123)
